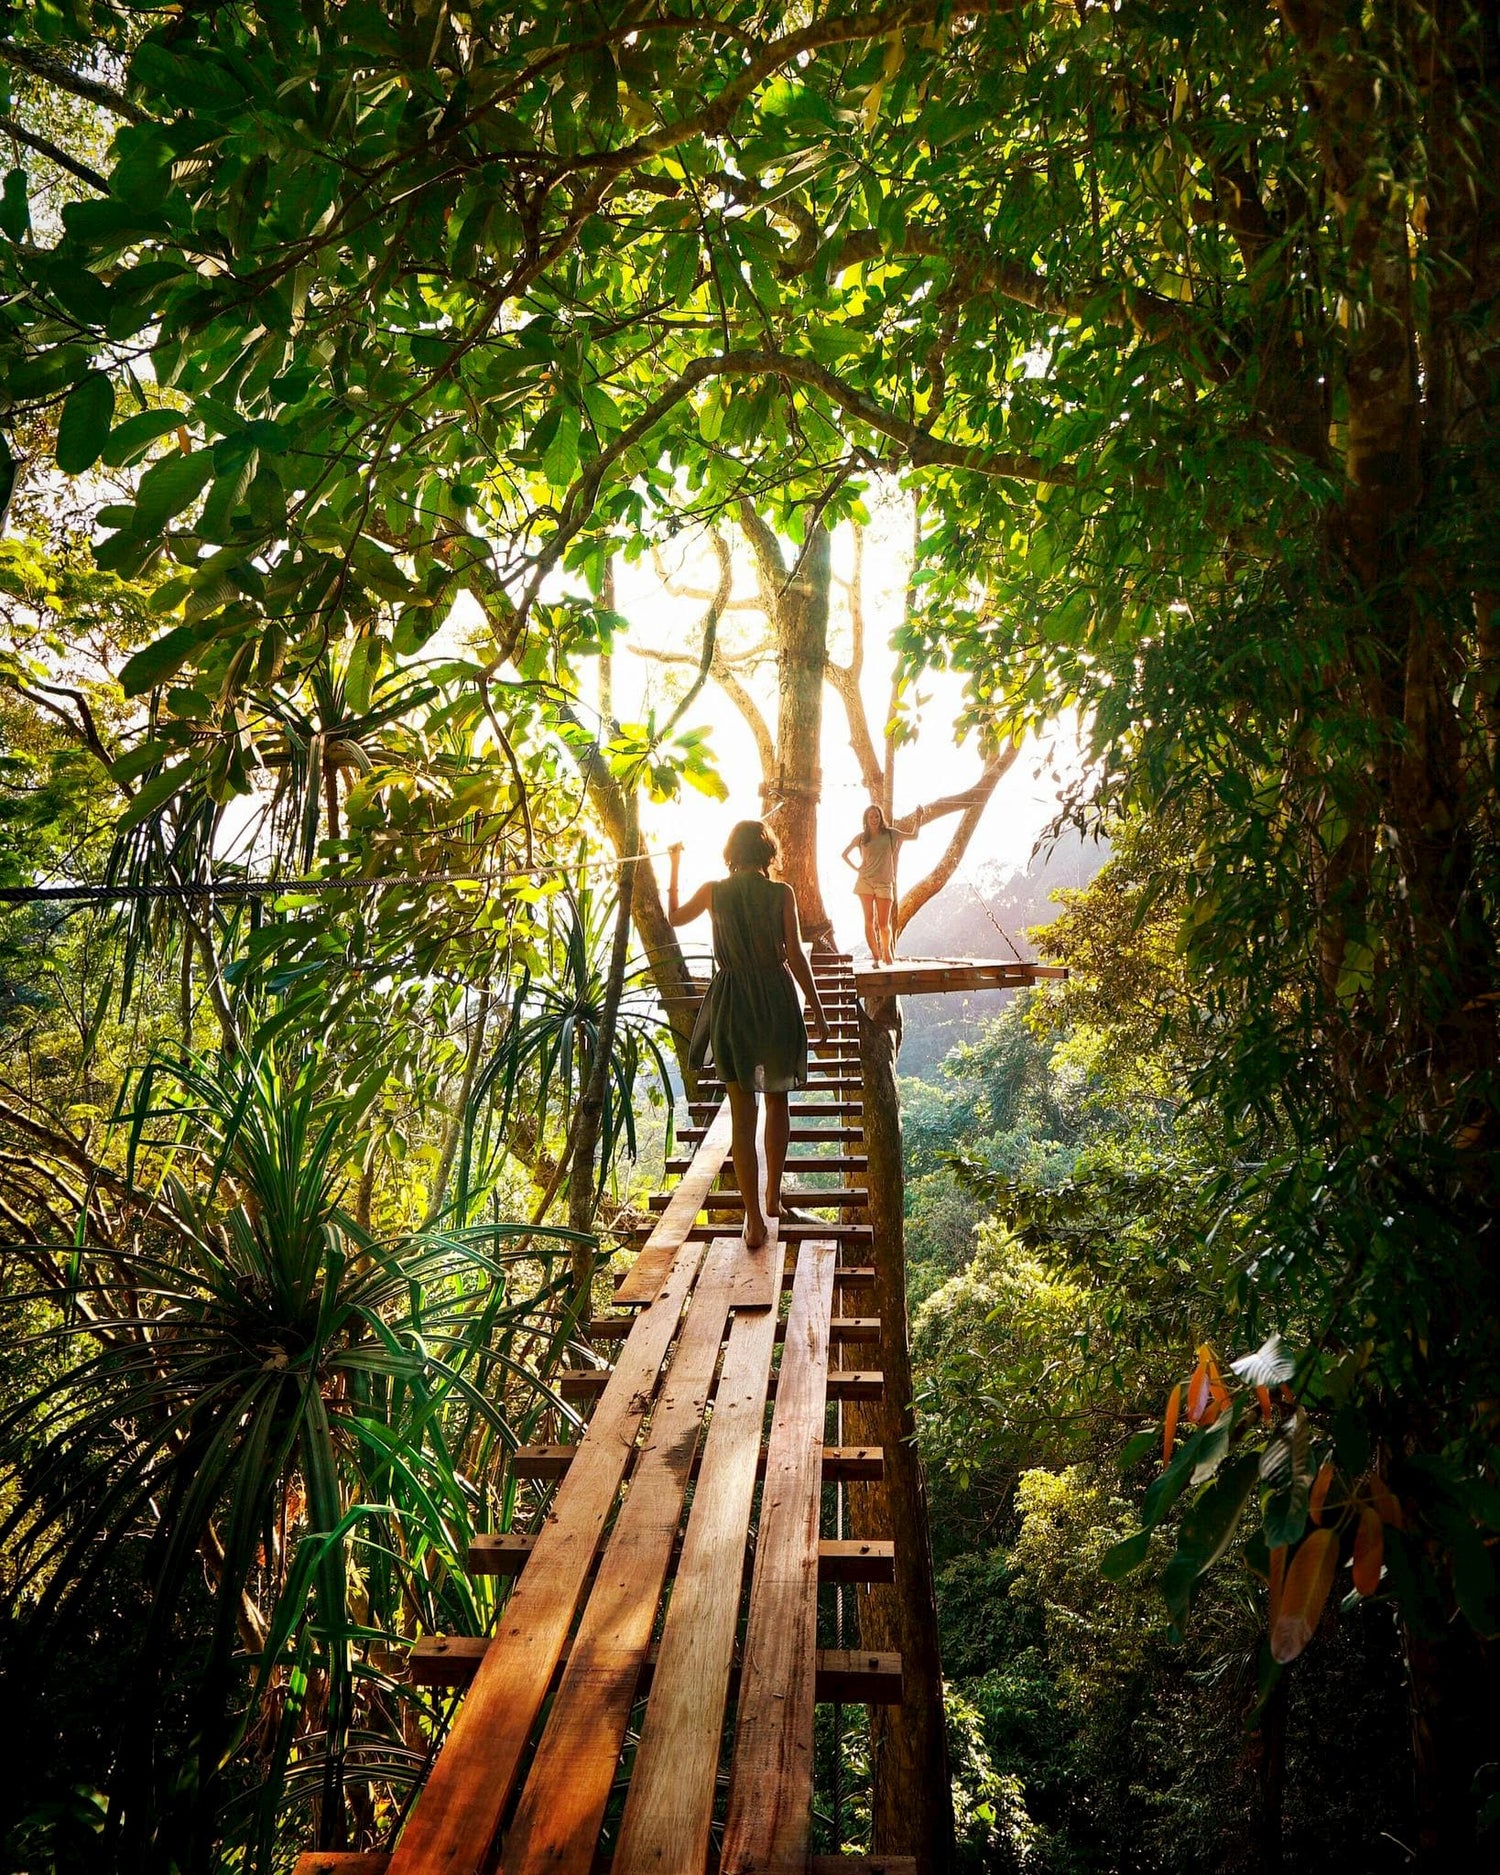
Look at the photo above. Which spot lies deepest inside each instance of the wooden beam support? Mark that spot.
(847, 1463)
(840, 1559)
(843, 1676)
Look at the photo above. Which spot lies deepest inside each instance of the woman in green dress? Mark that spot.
(751, 1023)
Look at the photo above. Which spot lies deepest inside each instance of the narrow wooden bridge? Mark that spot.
(646, 1701)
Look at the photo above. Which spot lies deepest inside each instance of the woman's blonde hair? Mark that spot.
(751, 843)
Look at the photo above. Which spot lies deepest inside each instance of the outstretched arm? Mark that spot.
(696, 905)
(909, 828)
(796, 962)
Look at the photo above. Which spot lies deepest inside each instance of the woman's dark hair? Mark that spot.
(751, 843)
(865, 835)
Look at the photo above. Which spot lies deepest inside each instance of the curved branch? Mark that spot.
(971, 804)
(711, 620)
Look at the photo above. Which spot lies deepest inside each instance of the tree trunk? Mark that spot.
(669, 968)
(795, 601)
(912, 1800)
(1455, 1735)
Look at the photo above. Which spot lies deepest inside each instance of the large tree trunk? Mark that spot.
(669, 969)
(796, 603)
(912, 1798)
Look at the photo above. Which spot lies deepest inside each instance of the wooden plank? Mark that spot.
(770, 1783)
(844, 1383)
(846, 1462)
(562, 1805)
(343, 1862)
(792, 1230)
(849, 1675)
(856, 1559)
(842, 1162)
(825, 1135)
(941, 976)
(452, 1829)
(841, 1197)
(670, 1802)
(649, 1270)
(840, 1559)
(841, 1675)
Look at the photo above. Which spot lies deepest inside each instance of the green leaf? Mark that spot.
(130, 440)
(83, 428)
(15, 207)
(1210, 1524)
(1122, 1558)
(169, 486)
(1141, 1445)
(155, 795)
(159, 661)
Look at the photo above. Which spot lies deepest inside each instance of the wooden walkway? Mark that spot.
(646, 1700)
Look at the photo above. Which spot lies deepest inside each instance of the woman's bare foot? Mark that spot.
(773, 1203)
(755, 1232)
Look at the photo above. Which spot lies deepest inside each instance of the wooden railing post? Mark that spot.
(912, 1799)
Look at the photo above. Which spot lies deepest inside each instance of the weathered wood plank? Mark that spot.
(848, 1676)
(932, 976)
(343, 1862)
(770, 1785)
(670, 1802)
(646, 1275)
(840, 1559)
(844, 1463)
(453, 1827)
(562, 1805)
(844, 1198)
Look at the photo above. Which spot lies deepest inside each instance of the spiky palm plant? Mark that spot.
(308, 1415)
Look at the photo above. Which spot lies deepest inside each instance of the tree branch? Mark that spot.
(10, 128)
(971, 804)
(55, 71)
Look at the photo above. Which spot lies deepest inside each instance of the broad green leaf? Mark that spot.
(84, 426)
(159, 661)
(169, 486)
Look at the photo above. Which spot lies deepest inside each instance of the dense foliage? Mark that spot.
(360, 341)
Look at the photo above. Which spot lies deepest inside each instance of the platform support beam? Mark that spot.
(912, 1797)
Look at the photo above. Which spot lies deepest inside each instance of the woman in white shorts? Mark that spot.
(877, 844)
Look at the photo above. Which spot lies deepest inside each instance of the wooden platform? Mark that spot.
(664, 1607)
(936, 976)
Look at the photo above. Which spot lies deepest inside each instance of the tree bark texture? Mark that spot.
(796, 602)
(913, 1796)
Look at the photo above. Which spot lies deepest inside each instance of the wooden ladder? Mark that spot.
(659, 1588)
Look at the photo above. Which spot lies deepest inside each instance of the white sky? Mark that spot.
(1023, 804)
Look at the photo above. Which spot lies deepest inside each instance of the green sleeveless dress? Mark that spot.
(751, 1020)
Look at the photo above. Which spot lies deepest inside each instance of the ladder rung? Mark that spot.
(843, 1675)
(847, 1197)
(841, 1463)
(840, 1559)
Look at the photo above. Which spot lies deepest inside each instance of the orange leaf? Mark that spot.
(1202, 1388)
(1369, 1552)
(1218, 1397)
(1318, 1495)
(1304, 1594)
(1384, 1500)
(1169, 1430)
(1277, 1580)
(1263, 1395)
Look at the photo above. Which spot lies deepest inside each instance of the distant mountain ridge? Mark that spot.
(984, 905)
